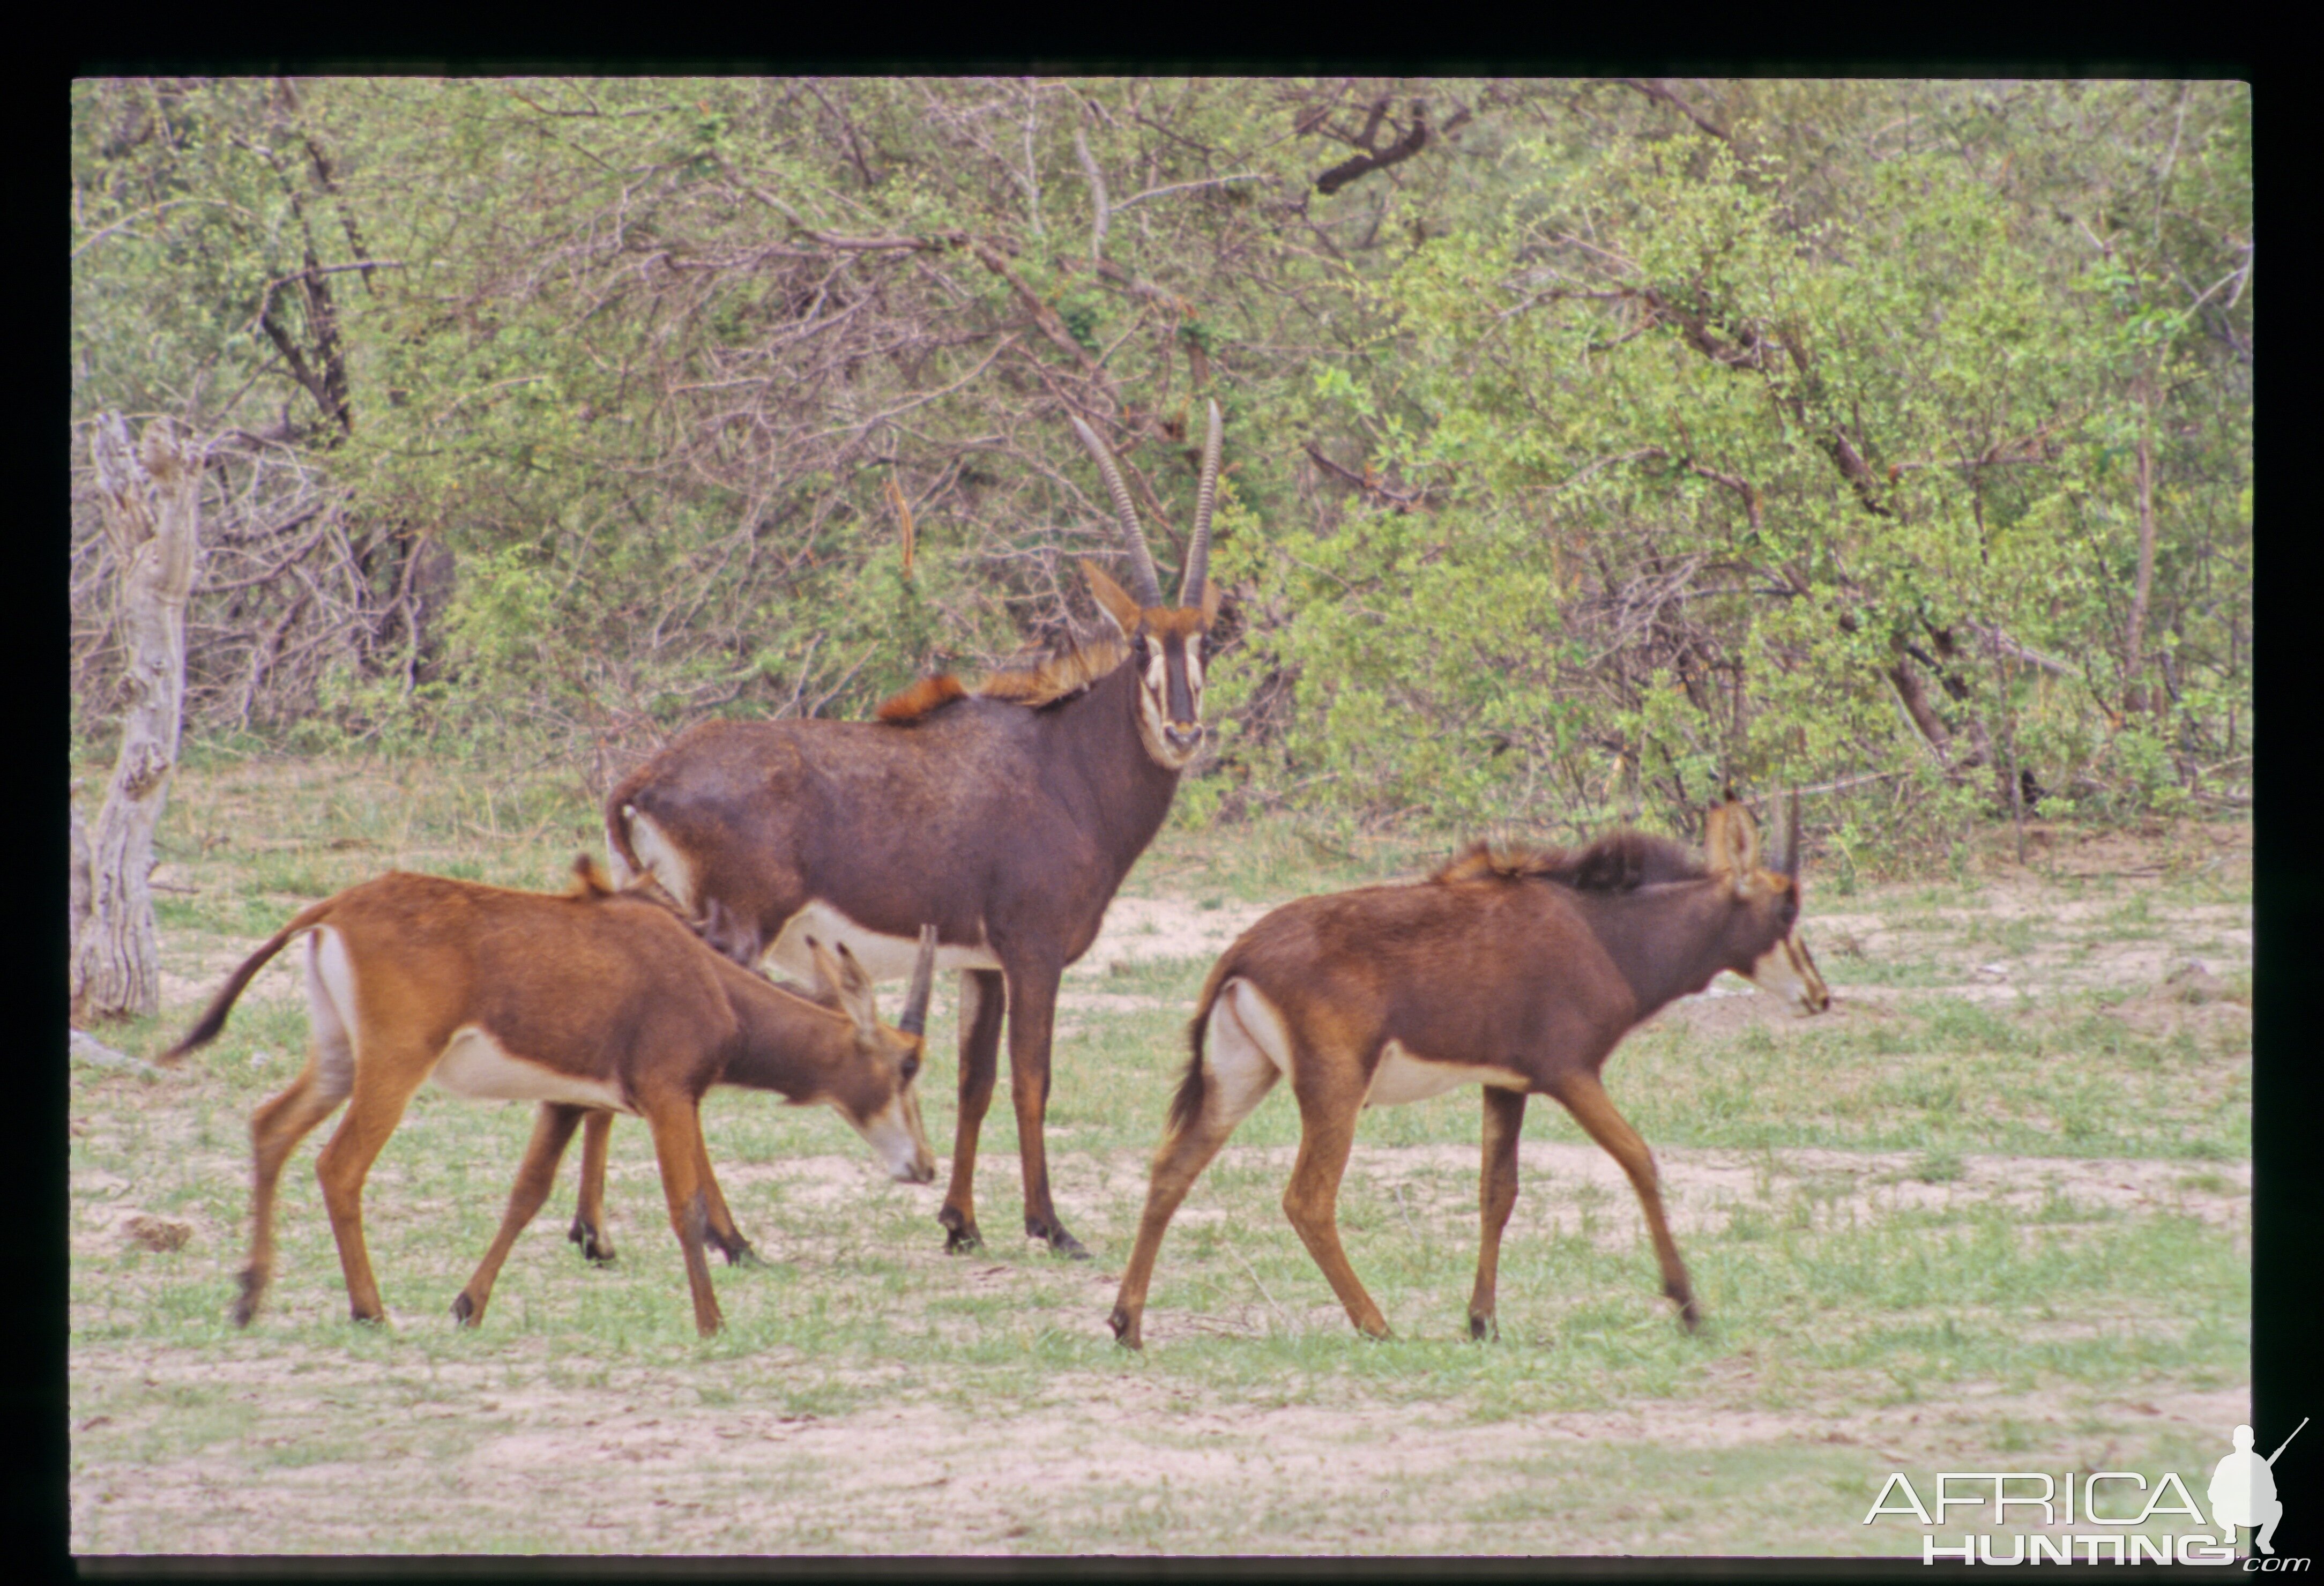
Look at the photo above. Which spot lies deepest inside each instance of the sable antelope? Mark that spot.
(584, 1000)
(1518, 971)
(1006, 816)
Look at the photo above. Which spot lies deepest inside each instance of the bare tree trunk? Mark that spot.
(151, 504)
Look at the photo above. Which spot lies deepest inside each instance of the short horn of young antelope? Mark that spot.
(1517, 972)
(584, 1002)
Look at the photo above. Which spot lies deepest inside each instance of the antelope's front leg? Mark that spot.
(1032, 1013)
(552, 1131)
(677, 1124)
(1497, 1192)
(1586, 1099)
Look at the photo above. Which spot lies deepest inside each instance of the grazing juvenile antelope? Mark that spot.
(584, 1000)
(1518, 971)
(1006, 816)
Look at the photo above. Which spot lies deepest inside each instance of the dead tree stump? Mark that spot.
(151, 498)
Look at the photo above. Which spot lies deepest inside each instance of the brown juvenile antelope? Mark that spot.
(586, 1000)
(1518, 971)
(1008, 817)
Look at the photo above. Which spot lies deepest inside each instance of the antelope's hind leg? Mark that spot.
(385, 1079)
(589, 1230)
(982, 1000)
(552, 1129)
(280, 1123)
(276, 1127)
(1331, 1096)
(1236, 1072)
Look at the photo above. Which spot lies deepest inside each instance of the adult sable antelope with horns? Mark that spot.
(1006, 816)
(1520, 972)
(583, 1002)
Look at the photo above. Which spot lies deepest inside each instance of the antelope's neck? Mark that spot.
(1128, 793)
(783, 1043)
(1663, 939)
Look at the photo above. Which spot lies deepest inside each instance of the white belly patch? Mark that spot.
(478, 1066)
(883, 957)
(1402, 1078)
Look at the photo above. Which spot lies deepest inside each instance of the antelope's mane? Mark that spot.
(1064, 672)
(1618, 862)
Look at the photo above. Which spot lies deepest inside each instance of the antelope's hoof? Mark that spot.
(742, 1255)
(1484, 1329)
(245, 1304)
(1125, 1329)
(960, 1232)
(464, 1309)
(595, 1245)
(1689, 1316)
(1061, 1243)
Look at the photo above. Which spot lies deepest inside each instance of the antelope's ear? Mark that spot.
(1210, 601)
(1742, 847)
(1112, 599)
(826, 971)
(1714, 839)
(850, 987)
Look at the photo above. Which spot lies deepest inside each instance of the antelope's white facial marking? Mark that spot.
(1787, 969)
(474, 1064)
(1172, 744)
(1402, 1078)
(896, 1138)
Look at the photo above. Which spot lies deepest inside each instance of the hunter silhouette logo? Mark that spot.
(2243, 1488)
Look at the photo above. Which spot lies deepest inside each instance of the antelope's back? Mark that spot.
(1461, 969)
(960, 818)
(585, 976)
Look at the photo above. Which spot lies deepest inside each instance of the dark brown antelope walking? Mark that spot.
(1518, 971)
(1006, 816)
(586, 1000)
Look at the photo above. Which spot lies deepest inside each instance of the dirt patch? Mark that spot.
(1137, 929)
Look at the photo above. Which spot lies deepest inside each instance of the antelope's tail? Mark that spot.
(1186, 1105)
(213, 1019)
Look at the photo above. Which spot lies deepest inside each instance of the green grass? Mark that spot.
(584, 1415)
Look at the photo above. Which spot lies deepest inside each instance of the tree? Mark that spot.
(153, 499)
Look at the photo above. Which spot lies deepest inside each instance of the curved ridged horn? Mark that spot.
(1791, 839)
(1147, 585)
(1198, 546)
(915, 1020)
